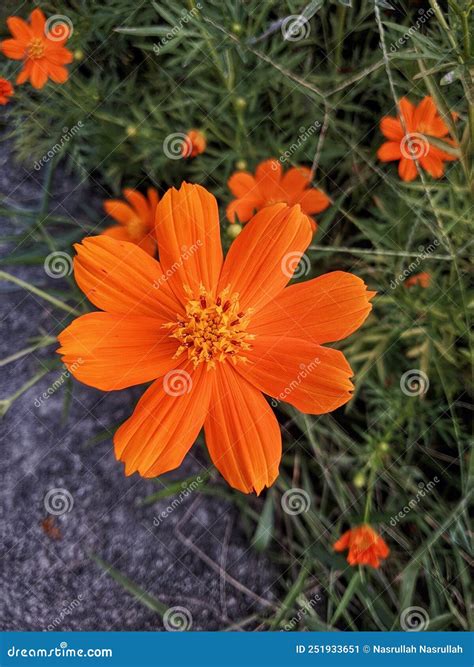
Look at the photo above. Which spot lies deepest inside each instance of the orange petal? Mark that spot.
(118, 232)
(407, 169)
(243, 183)
(118, 210)
(389, 151)
(153, 199)
(24, 75)
(264, 256)
(188, 233)
(120, 277)
(58, 55)
(425, 114)
(243, 209)
(314, 201)
(58, 74)
(392, 128)
(407, 111)
(313, 378)
(294, 181)
(38, 21)
(432, 164)
(322, 310)
(19, 29)
(109, 351)
(139, 203)
(268, 177)
(242, 433)
(343, 542)
(39, 74)
(12, 48)
(148, 244)
(165, 422)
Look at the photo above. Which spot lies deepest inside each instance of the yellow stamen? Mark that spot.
(212, 329)
(36, 48)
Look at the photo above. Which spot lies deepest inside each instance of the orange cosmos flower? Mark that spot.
(421, 121)
(366, 546)
(135, 219)
(6, 91)
(269, 186)
(42, 51)
(214, 335)
(422, 279)
(194, 144)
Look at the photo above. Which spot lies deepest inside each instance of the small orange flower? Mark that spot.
(135, 219)
(366, 546)
(43, 53)
(6, 91)
(194, 144)
(269, 186)
(421, 121)
(214, 335)
(421, 279)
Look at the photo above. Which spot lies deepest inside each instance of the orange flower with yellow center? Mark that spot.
(43, 52)
(194, 144)
(412, 143)
(6, 91)
(136, 218)
(365, 545)
(270, 186)
(214, 335)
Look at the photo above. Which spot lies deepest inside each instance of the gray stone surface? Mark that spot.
(48, 578)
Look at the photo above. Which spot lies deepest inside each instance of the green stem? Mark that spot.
(35, 290)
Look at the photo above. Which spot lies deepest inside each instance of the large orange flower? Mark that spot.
(421, 121)
(270, 186)
(135, 219)
(42, 51)
(365, 546)
(214, 336)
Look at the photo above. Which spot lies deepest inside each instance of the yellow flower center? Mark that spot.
(212, 330)
(36, 48)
